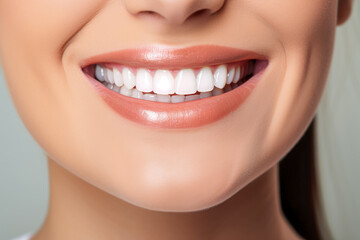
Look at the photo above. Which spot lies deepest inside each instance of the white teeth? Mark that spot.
(100, 73)
(230, 76)
(192, 97)
(125, 91)
(205, 94)
(177, 98)
(205, 80)
(163, 98)
(149, 96)
(136, 94)
(163, 82)
(118, 79)
(185, 82)
(105, 75)
(110, 75)
(129, 78)
(144, 81)
(237, 75)
(220, 76)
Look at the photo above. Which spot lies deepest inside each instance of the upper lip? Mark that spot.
(156, 57)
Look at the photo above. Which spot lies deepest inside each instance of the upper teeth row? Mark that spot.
(163, 81)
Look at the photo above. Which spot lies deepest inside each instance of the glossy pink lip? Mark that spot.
(190, 114)
(173, 58)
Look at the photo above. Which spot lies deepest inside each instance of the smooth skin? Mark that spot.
(113, 179)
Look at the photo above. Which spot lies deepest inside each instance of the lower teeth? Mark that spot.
(174, 98)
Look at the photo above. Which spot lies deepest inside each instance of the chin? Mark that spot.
(186, 197)
(176, 188)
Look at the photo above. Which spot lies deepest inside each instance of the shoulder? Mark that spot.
(24, 237)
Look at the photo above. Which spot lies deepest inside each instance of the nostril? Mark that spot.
(173, 12)
(155, 15)
(200, 13)
(150, 14)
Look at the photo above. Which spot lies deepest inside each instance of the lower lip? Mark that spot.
(189, 114)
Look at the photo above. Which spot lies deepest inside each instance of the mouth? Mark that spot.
(175, 88)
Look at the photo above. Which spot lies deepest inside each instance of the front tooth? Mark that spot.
(163, 82)
(230, 76)
(237, 74)
(185, 82)
(220, 76)
(205, 80)
(125, 91)
(99, 73)
(177, 98)
(110, 76)
(163, 98)
(129, 78)
(136, 94)
(149, 96)
(118, 79)
(205, 94)
(144, 81)
(192, 97)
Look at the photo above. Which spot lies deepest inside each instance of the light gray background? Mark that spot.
(23, 174)
(338, 132)
(23, 169)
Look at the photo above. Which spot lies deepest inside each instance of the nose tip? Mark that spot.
(174, 11)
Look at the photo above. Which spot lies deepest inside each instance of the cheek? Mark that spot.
(42, 24)
(297, 20)
(33, 34)
(306, 30)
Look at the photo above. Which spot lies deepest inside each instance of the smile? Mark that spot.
(174, 85)
(175, 88)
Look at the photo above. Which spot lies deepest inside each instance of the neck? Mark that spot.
(78, 210)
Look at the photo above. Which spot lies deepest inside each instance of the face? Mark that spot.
(142, 151)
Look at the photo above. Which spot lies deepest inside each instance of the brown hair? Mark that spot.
(299, 188)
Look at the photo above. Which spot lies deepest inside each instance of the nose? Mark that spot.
(174, 11)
